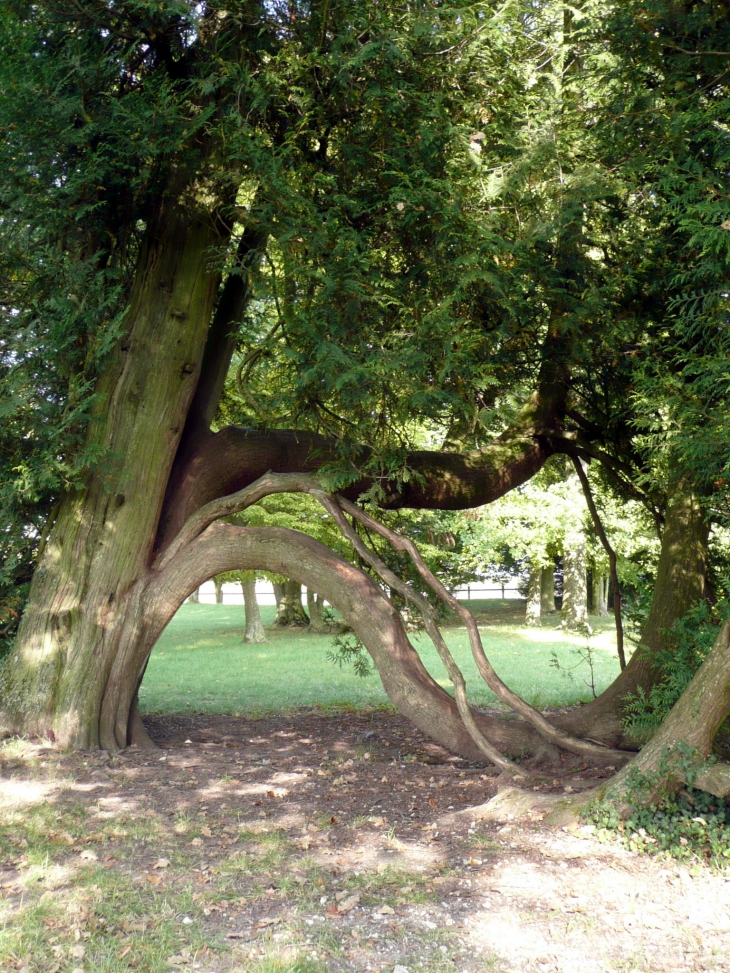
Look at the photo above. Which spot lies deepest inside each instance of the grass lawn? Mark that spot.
(201, 664)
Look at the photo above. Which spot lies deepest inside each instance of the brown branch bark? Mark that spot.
(537, 720)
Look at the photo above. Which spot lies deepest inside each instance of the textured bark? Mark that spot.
(254, 627)
(290, 611)
(534, 600)
(314, 607)
(547, 591)
(222, 463)
(84, 595)
(678, 749)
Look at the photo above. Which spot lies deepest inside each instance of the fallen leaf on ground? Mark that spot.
(349, 903)
(161, 863)
(385, 910)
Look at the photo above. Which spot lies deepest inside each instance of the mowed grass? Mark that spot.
(201, 664)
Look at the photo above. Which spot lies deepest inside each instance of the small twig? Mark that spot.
(611, 559)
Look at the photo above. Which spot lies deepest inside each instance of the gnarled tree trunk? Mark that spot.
(85, 591)
(680, 584)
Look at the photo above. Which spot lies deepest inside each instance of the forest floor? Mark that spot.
(320, 843)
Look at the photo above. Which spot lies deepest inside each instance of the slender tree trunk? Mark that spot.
(547, 591)
(534, 600)
(290, 611)
(600, 593)
(254, 628)
(218, 591)
(194, 598)
(314, 607)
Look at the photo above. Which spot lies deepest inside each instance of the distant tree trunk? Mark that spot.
(218, 591)
(290, 610)
(194, 598)
(279, 592)
(314, 607)
(254, 627)
(547, 591)
(575, 588)
(534, 601)
(600, 593)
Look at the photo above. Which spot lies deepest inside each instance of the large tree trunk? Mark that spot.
(534, 600)
(677, 751)
(254, 627)
(290, 611)
(85, 591)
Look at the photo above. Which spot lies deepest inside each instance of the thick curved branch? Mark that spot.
(223, 547)
(278, 483)
(434, 633)
(232, 459)
(503, 692)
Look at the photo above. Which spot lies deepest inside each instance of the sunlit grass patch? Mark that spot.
(201, 664)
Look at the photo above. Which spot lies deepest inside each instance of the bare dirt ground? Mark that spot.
(322, 844)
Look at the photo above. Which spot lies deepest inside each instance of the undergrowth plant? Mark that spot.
(693, 636)
(691, 826)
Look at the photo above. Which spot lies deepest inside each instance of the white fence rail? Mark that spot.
(232, 594)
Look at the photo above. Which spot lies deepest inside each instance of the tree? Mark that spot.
(308, 198)
(254, 626)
